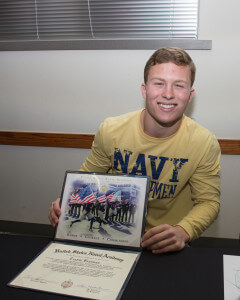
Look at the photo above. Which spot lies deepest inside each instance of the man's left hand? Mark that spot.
(165, 238)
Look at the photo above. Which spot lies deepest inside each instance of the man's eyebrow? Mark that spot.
(162, 79)
(157, 78)
(180, 80)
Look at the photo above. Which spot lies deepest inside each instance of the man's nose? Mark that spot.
(168, 93)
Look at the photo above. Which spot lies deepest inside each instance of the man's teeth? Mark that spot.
(166, 105)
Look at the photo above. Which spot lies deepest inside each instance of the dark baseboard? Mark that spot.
(12, 227)
(22, 228)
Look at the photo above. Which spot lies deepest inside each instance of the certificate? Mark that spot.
(97, 241)
(78, 271)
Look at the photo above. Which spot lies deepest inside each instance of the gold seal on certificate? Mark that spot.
(97, 241)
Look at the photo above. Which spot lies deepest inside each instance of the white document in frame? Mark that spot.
(86, 272)
(231, 267)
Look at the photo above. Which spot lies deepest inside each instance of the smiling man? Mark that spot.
(180, 156)
(167, 92)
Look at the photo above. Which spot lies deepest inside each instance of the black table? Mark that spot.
(193, 273)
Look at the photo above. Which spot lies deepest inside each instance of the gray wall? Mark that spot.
(73, 91)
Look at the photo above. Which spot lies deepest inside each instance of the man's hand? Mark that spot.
(54, 212)
(165, 238)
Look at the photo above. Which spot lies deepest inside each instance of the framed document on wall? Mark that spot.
(97, 241)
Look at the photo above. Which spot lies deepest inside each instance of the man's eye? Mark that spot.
(179, 85)
(159, 83)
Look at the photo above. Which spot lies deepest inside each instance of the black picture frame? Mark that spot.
(103, 209)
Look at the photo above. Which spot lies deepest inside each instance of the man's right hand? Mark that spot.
(54, 212)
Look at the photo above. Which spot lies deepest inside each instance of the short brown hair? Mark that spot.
(170, 54)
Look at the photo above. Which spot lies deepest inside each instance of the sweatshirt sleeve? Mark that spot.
(98, 160)
(205, 190)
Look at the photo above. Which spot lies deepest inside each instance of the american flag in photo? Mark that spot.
(117, 196)
(101, 198)
(81, 194)
(74, 198)
(89, 196)
(110, 197)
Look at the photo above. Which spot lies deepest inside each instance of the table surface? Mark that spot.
(193, 273)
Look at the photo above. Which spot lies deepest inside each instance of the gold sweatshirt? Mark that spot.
(184, 169)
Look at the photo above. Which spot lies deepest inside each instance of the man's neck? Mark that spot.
(156, 130)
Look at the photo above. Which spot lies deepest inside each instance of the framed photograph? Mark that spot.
(103, 209)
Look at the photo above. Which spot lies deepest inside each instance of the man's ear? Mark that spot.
(143, 90)
(191, 95)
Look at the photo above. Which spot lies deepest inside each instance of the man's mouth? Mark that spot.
(166, 105)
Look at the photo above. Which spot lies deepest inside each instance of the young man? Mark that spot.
(180, 156)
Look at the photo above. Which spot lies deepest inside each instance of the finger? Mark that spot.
(54, 212)
(56, 208)
(171, 244)
(146, 236)
(57, 201)
(146, 239)
(160, 244)
(155, 230)
(52, 217)
(154, 240)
